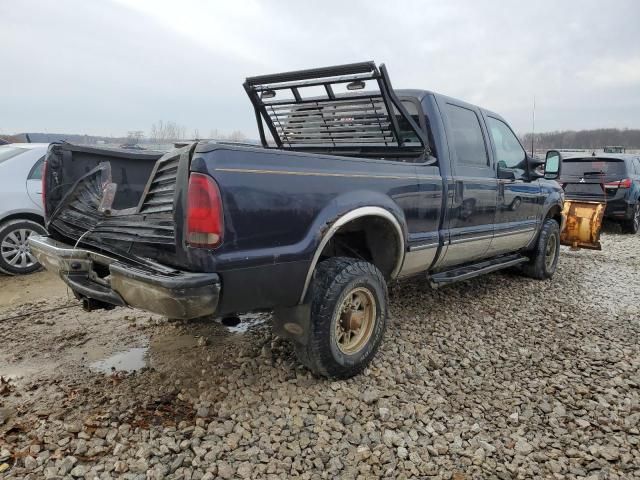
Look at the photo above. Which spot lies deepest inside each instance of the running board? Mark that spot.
(469, 271)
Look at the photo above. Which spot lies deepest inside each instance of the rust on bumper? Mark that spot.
(583, 224)
(162, 290)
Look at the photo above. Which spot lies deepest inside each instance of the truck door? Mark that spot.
(519, 201)
(472, 188)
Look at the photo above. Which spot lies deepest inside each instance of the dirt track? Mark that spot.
(498, 377)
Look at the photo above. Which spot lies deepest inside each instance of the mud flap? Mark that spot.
(293, 323)
(583, 225)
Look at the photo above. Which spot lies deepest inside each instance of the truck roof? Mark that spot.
(420, 94)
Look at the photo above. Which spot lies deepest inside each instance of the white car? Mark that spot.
(21, 212)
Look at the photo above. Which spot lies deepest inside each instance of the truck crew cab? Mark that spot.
(355, 184)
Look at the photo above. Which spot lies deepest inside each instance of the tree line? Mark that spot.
(167, 132)
(583, 139)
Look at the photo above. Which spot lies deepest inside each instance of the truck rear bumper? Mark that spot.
(102, 279)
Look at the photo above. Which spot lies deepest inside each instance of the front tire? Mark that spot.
(633, 225)
(15, 256)
(544, 258)
(348, 317)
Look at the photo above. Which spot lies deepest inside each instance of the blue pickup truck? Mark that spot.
(355, 185)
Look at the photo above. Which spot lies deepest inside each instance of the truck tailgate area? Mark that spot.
(106, 209)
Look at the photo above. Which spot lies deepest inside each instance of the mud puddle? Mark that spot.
(162, 350)
(128, 361)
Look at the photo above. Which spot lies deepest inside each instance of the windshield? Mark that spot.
(7, 152)
(596, 166)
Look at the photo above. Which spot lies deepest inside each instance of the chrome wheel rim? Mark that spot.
(355, 321)
(550, 252)
(636, 217)
(15, 249)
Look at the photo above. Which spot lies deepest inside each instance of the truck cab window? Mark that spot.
(468, 141)
(407, 133)
(509, 152)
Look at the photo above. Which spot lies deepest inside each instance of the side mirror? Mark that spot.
(535, 168)
(505, 173)
(552, 165)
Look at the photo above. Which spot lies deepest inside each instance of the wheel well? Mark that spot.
(371, 238)
(556, 213)
(24, 216)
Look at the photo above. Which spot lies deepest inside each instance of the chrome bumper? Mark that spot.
(100, 278)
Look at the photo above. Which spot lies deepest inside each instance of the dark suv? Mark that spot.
(613, 178)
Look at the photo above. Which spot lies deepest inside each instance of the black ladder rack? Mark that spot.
(348, 123)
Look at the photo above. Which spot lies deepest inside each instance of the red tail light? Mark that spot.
(204, 212)
(44, 187)
(626, 183)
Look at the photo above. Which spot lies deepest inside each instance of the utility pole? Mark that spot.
(533, 124)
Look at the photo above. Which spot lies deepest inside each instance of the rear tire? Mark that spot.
(544, 258)
(15, 255)
(633, 225)
(348, 317)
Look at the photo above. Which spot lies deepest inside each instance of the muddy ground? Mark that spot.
(498, 377)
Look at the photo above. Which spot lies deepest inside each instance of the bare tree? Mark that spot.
(167, 132)
(237, 136)
(134, 136)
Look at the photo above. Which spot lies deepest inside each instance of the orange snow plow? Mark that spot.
(583, 224)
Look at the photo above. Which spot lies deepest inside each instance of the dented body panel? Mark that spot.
(113, 281)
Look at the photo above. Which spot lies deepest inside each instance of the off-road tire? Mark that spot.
(333, 280)
(633, 225)
(539, 266)
(16, 227)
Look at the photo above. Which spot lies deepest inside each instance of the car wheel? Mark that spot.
(15, 255)
(544, 258)
(348, 317)
(633, 225)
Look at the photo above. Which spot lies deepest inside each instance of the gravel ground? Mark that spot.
(498, 377)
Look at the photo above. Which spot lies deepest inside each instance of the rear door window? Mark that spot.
(468, 141)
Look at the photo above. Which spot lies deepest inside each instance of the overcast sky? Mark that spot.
(107, 67)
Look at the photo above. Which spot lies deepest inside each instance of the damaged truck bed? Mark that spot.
(124, 208)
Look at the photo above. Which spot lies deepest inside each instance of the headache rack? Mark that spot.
(324, 110)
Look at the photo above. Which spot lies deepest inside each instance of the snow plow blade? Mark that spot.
(584, 221)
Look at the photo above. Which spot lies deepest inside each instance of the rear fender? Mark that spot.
(349, 207)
